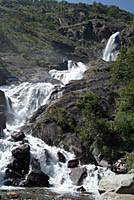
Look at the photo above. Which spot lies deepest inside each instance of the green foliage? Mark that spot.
(123, 68)
(130, 160)
(95, 128)
(62, 118)
(124, 117)
(88, 103)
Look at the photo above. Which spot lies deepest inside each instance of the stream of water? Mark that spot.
(27, 98)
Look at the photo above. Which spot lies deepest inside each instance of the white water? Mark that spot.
(26, 98)
(110, 52)
(75, 72)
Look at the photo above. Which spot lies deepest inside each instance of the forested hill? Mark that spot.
(44, 33)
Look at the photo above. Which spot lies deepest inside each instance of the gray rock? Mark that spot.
(120, 167)
(115, 196)
(97, 155)
(23, 151)
(38, 179)
(73, 163)
(2, 112)
(20, 166)
(123, 184)
(61, 157)
(18, 136)
(81, 189)
(77, 175)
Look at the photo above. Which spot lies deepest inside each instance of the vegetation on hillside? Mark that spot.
(112, 136)
(47, 31)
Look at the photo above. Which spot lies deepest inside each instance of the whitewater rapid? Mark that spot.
(25, 99)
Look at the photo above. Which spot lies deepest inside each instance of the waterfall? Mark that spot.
(111, 49)
(26, 98)
(75, 72)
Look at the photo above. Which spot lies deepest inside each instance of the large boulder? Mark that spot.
(77, 175)
(19, 166)
(115, 196)
(21, 152)
(61, 157)
(18, 136)
(36, 178)
(73, 163)
(123, 184)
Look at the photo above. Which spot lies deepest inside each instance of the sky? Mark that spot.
(127, 5)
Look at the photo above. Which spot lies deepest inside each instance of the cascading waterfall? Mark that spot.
(111, 50)
(26, 98)
(75, 72)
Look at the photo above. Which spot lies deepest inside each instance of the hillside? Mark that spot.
(37, 36)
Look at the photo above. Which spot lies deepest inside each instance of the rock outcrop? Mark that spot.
(73, 163)
(17, 172)
(36, 179)
(3, 108)
(115, 196)
(19, 164)
(117, 187)
(123, 184)
(77, 175)
(18, 136)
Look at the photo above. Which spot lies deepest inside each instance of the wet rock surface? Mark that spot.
(36, 178)
(61, 157)
(73, 163)
(21, 152)
(40, 194)
(19, 167)
(3, 107)
(18, 136)
(77, 175)
(19, 164)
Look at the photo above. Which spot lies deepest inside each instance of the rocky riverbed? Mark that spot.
(41, 194)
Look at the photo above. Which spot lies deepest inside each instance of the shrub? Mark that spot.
(123, 68)
(130, 160)
(62, 117)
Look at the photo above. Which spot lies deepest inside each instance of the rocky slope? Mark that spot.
(36, 36)
(59, 124)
